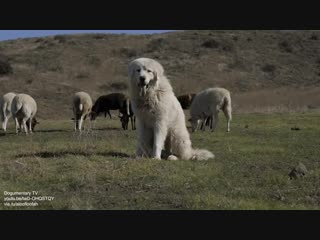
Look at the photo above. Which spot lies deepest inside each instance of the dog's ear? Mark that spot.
(155, 73)
(131, 71)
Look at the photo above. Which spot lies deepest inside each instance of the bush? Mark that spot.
(210, 44)
(285, 46)
(94, 60)
(227, 47)
(60, 38)
(127, 52)
(235, 38)
(314, 37)
(5, 66)
(98, 36)
(270, 68)
(156, 45)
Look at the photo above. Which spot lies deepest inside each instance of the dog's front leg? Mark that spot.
(160, 134)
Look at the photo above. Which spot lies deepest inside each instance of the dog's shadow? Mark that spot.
(62, 154)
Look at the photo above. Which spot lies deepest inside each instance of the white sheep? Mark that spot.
(82, 105)
(208, 103)
(5, 108)
(23, 108)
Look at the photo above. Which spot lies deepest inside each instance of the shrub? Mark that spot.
(211, 43)
(270, 68)
(5, 66)
(285, 46)
(127, 52)
(314, 37)
(60, 38)
(155, 45)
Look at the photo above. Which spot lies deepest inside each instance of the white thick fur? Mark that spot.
(5, 108)
(81, 105)
(210, 102)
(23, 108)
(160, 118)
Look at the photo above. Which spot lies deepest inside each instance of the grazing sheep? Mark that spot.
(208, 103)
(5, 108)
(23, 108)
(186, 100)
(113, 101)
(124, 116)
(82, 105)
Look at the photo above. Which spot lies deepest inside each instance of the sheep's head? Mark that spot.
(33, 123)
(124, 119)
(93, 115)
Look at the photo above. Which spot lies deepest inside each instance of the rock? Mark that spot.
(298, 171)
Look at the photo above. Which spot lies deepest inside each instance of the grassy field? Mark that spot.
(95, 170)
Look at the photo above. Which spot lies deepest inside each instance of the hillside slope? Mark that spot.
(263, 69)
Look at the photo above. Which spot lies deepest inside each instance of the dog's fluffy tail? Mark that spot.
(201, 154)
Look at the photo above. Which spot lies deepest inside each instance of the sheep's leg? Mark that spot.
(214, 121)
(202, 126)
(228, 125)
(109, 114)
(80, 123)
(160, 133)
(24, 123)
(131, 121)
(30, 123)
(17, 125)
(76, 123)
(4, 123)
(134, 122)
(227, 113)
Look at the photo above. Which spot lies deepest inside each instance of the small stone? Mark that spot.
(299, 171)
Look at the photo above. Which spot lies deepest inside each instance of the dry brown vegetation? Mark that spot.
(264, 70)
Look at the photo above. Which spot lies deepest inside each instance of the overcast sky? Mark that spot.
(13, 34)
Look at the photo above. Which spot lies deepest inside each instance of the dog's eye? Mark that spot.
(139, 70)
(149, 71)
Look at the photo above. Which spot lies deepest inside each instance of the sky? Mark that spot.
(14, 34)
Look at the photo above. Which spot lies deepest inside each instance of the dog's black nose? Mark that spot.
(142, 78)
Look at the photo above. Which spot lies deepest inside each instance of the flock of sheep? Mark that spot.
(204, 109)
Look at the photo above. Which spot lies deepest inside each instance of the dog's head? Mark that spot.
(144, 73)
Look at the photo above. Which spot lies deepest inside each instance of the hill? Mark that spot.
(265, 70)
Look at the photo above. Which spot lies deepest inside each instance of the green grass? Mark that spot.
(96, 170)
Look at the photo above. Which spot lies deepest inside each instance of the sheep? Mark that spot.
(105, 103)
(82, 105)
(124, 116)
(23, 108)
(5, 108)
(186, 100)
(208, 103)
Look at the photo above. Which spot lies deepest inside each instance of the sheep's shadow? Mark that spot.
(107, 128)
(51, 130)
(47, 154)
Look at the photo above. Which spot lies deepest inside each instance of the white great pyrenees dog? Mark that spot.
(160, 118)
